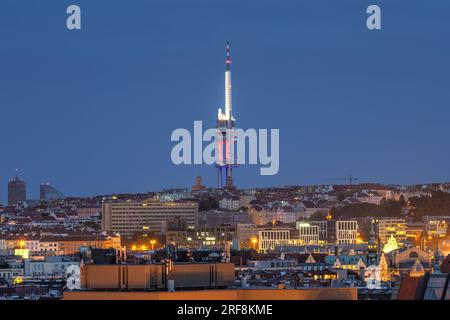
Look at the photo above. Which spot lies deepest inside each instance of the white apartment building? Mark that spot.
(50, 266)
(307, 233)
(127, 218)
(346, 231)
(270, 238)
(10, 273)
(231, 204)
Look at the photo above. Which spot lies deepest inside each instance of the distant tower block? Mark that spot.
(198, 184)
(17, 190)
(49, 193)
(225, 122)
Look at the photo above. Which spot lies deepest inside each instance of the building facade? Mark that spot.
(16, 191)
(270, 238)
(129, 218)
(307, 233)
(395, 227)
(49, 193)
(346, 231)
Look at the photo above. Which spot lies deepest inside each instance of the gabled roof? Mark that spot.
(345, 259)
(445, 266)
(410, 288)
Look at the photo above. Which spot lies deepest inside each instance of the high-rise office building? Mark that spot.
(49, 193)
(16, 191)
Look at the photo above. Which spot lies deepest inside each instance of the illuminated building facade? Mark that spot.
(436, 227)
(307, 233)
(327, 230)
(346, 231)
(391, 245)
(245, 232)
(201, 237)
(268, 239)
(129, 218)
(58, 245)
(337, 231)
(392, 227)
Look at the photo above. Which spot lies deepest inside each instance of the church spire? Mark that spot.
(372, 247)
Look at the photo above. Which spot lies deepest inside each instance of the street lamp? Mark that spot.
(152, 242)
(254, 241)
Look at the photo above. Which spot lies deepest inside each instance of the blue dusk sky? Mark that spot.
(92, 111)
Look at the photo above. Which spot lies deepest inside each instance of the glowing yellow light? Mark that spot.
(133, 247)
(24, 253)
(391, 245)
(143, 247)
(17, 280)
(254, 240)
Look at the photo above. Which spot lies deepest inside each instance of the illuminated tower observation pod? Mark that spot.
(227, 143)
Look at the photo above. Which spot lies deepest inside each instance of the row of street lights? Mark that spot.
(144, 247)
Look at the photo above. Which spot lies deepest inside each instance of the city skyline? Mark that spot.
(101, 103)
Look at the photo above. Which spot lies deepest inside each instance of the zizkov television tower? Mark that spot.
(226, 122)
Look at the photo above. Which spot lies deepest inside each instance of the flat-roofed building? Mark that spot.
(268, 239)
(71, 244)
(155, 276)
(17, 191)
(245, 232)
(48, 266)
(346, 231)
(391, 226)
(320, 293)
(130, 217)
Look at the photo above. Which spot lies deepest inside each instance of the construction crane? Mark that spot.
(350, 178)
